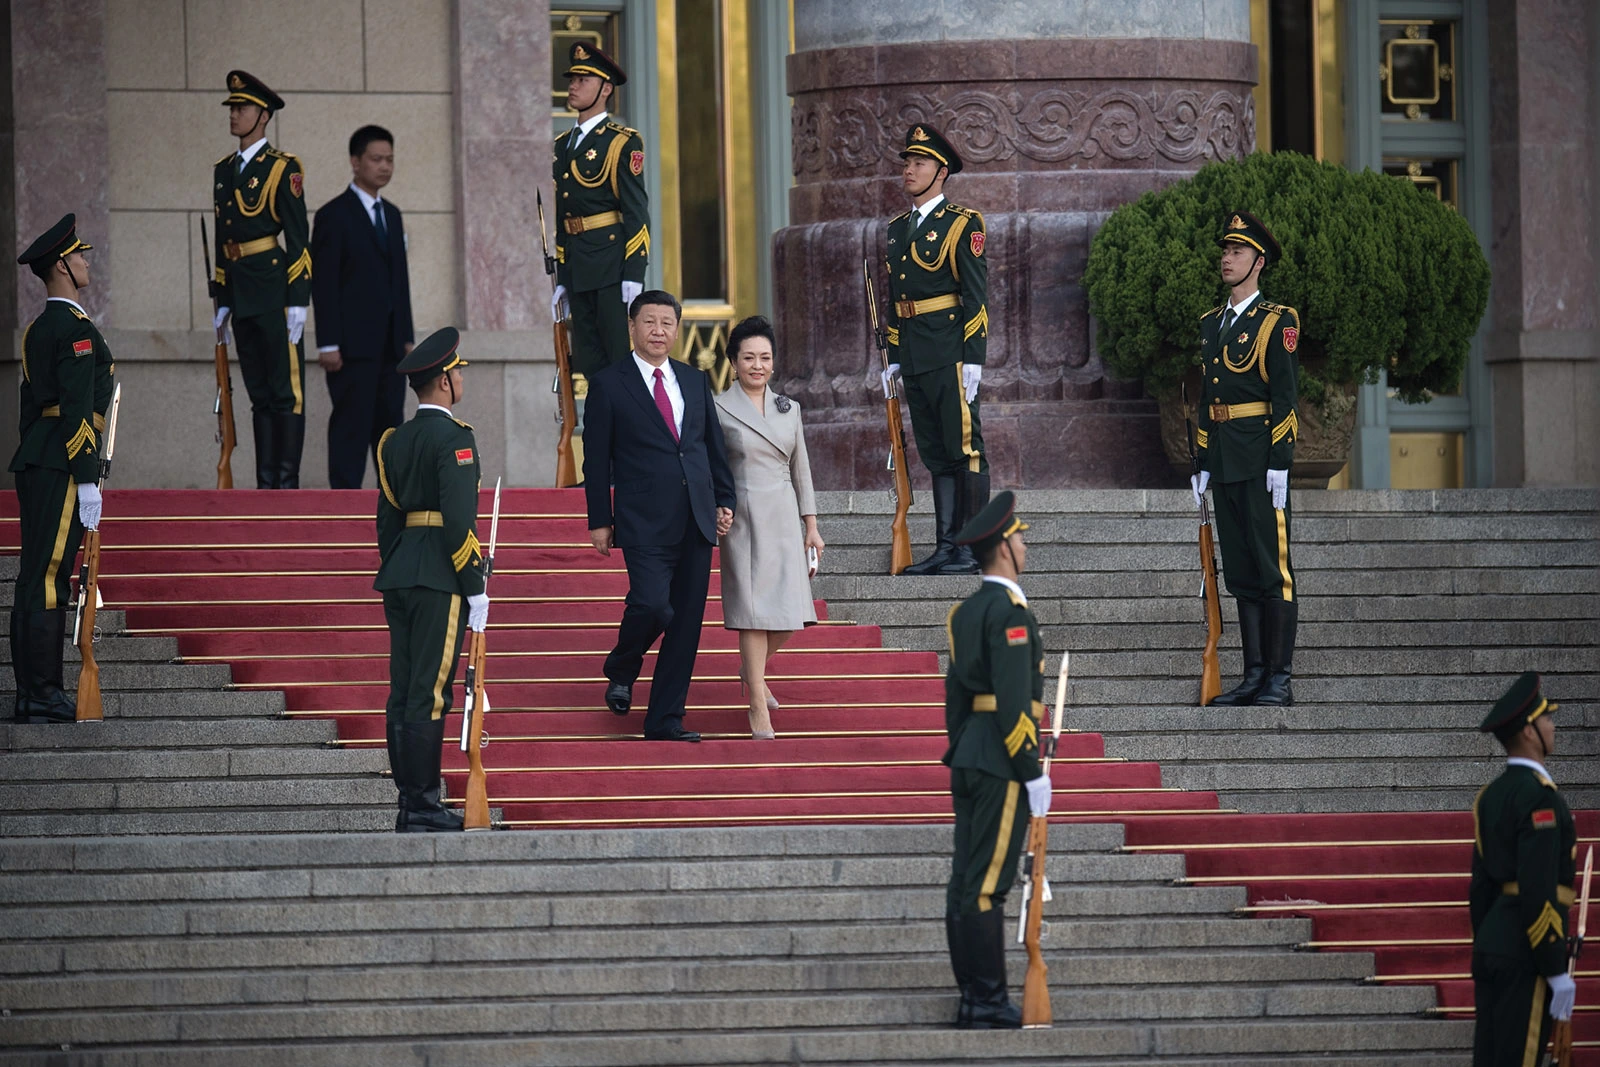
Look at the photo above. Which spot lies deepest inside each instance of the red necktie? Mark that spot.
(664, 405)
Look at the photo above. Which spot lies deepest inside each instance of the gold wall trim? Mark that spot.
(667, 220)
(1328, 82)
(1261, 37)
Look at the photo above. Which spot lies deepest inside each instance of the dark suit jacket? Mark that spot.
(360, 292)
(660, 483)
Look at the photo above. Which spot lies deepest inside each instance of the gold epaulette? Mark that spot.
(626, 131)
(458, 422)
(1280, 308)
(78, 313)
(1213, 311)
(967, 211)
(897, 218)
(225, 159)
(280, 152)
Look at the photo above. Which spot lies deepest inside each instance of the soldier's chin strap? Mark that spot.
(71, 274)
(925, 188)
(1015, 566)
(451, 385)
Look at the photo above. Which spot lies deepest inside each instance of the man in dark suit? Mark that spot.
(362, 291)
(653, 433)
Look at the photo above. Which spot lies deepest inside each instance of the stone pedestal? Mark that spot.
(1056, 133)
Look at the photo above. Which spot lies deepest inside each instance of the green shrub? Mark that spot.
(1383, 274)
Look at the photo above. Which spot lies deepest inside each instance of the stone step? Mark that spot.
(1188, 637)
(112, 648)
(188, 706)
(1418, 689)
(108, 620)
(1127, 726)
(123, 735)
(1377, 662)
(1364, 774)
(158, 795)
(126, 677)
(322, 818)
(189, 764)
(1311, 748)
(1358, 800)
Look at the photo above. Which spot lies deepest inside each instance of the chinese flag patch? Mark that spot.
(463, 457)
(1017, 635)
(636, 162)
(297, 183)
(1291, 338)
(977, 244)
(82, 348)
(1544, 819)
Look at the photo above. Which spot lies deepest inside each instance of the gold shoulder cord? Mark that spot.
(26, 330)
(952, 240)
(1258, 351)
(266, 198)
(608, 169)
(383, 474)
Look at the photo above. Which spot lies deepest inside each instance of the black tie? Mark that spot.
(1227, 321)
(377, 222)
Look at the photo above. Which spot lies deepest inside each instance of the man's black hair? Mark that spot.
(654, 296)
(365, 136)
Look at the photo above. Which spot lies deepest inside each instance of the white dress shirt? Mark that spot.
(1009, 584)
(670, 380)
(66, 300)
(585, 127)
(1534, 765)
(248, 154)
(1242, 306)
(927, 209)
(436, 407)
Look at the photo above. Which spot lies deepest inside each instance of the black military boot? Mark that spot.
(21, 666)
(1255, 665)
(1282, 619)
(960, 967)
(420, 756)
(974, 495)
(41, 650)
(946, 513)
(290, 430)
(266, 449)
(983, 935)
(391, 737)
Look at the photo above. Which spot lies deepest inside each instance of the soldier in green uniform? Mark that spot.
(431, 576)
(938, 326)
(1247, 430)
(602, 215)
(66, 388)
(1523, 870)
(992, 709)
(259, 193)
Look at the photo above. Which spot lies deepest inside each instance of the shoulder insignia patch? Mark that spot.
(297, 183)
(463, 457)
(977, 242)
(1018, 635)
(1213, 311)
(225, 159)
(83, 347)
(463, 425)
(1291, 338)
(1544, 819)
(78, 314)
(636, 163)
(627, 131)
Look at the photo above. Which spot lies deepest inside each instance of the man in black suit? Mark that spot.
(649, 423)
(361, 288)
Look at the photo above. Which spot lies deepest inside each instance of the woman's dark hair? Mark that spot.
(754, 326)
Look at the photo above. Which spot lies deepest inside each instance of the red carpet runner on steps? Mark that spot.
(279, 586)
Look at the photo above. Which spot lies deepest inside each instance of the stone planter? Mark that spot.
(1323, 448)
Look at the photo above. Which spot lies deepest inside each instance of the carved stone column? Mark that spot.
(1055, 133)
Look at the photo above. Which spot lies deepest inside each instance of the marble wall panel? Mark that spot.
(149, 251)
(433, 255)
(292, 45)
(841, 23)
(318, 126)
(145, 42)
(163, 146)
(409, 48)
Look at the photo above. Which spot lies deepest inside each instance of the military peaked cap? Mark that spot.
(58, 242)
(1245, 228)
(924, 140)
(993, 524)
(587, 59)
(246, 88)
(1523, 703)
(435, 355)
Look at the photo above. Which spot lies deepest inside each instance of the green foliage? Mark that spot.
(1384, 275)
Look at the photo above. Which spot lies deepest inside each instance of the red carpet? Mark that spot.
(279, 586)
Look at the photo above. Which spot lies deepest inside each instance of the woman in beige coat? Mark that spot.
(766, 578)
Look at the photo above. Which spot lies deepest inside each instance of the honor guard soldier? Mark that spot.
(1522, 887)
(1247, 430)
(259, 193)
(602, 215)
(66, 388)
(938, 324)
(431, 576)
(992, 709)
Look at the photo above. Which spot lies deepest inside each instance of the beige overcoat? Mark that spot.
(765, 585)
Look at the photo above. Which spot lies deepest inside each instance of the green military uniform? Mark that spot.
(66, 388)
(1523, 867)
(602, 223)
(428, 474)
(1247, 425)
(257, 277)
(992, 709)
(938, 323)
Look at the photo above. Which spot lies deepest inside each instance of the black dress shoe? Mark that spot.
(677, 733)
(619, 698)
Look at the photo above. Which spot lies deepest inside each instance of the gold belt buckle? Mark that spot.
(906, 309)
(230, 249)
(1219, 413)
(573, 223)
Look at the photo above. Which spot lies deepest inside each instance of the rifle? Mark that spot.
(90, 706)
(473, 739)
(1210, 663)
(1561, 1038)
(900, 491)
(1036, 887)
(222, 407)
(566, 403)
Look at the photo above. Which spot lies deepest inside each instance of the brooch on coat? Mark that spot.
(782, 403)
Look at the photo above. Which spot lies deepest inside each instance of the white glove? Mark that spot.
(477, 612)
(297, 323)
(888, 376)
(1198, 483)
(219, 323)
(971, 375)
(1563, 991)
(630, 292)
(1039, 796)
(558, 303)
(466, 708)
(89, 505)
(1278, 486)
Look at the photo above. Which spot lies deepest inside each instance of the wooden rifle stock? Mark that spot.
(1036, 1014)
(476, 812)
(1210, 662)
(90, 705)
(1561, 1033)
(227, 434)
(566, 409)
(900, 493)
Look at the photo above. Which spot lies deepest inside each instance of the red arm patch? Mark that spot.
(1291, 338)
(977, 244)
(1017, 635)
(297, 184)
(636, 163)
(83, 347)
(463, 457)
(1544, 819)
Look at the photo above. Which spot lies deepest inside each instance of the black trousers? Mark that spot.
(667, 586)
(991, 825)
(51, 535)
(948, 432)
(426, 628)
(274, 370)
(1255, 541)
(1513, 1013)
(599, 328)
(369, 397)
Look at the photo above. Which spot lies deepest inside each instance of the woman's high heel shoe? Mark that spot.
(756, 735)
